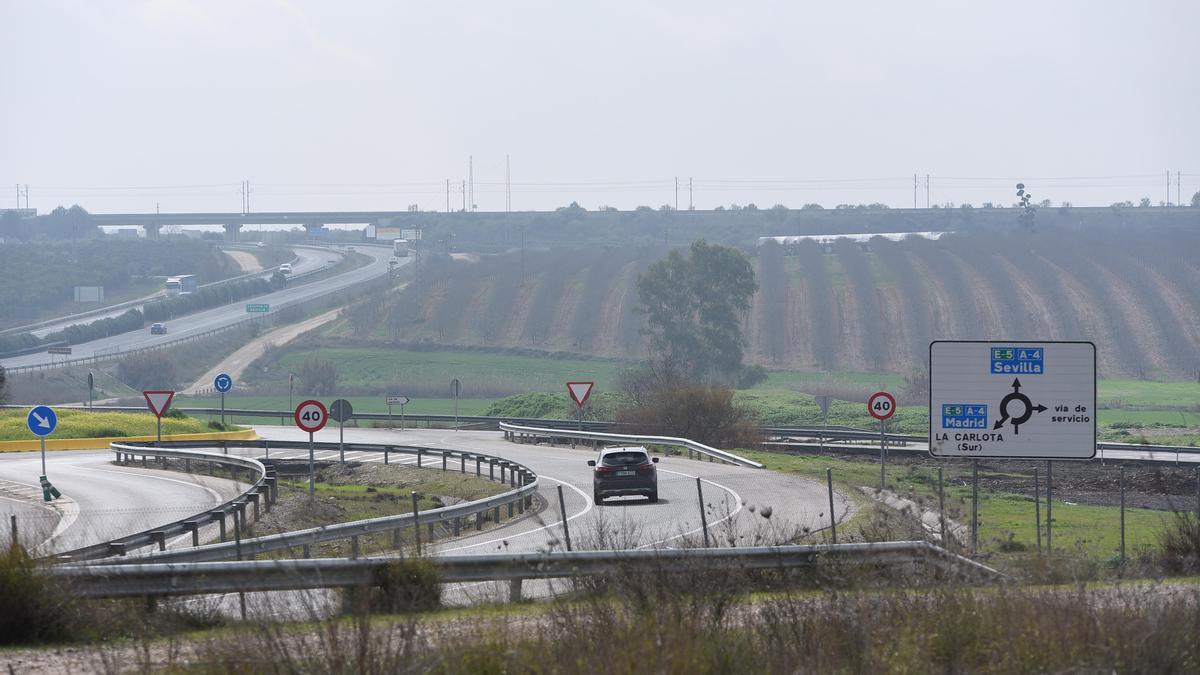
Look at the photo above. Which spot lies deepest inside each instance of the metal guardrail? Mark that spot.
(524, 483)
(263, 488)
(515, 431)
(159, 579)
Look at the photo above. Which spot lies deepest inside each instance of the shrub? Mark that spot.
(317, 377)
(32, 609)
(152, 370)
(703, 413)
(1179, 543)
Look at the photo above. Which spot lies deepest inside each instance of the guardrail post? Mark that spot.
(160, 538)
(144, 463)
(416, 524)
(479, 520)
(491, 469)
(253, 497)
(194, 528)
(478, 466)
(354, 546)
(496, 515)
(444, 460)
(457, 523)
(463, 468)
(502, 479)
(220, 516)
(510, 509)
(385, 454)
(305, 552)
(419, 452)
(514, 590)
(187, 466)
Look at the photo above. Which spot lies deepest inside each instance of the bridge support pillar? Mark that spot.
(312, 229)
(233, 231)
(151, 231)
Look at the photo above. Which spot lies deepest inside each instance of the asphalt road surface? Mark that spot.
(200, 322)
(309, 260)
(743, 506)
(102, 501)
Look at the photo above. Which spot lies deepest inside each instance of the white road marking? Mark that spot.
(587, 500)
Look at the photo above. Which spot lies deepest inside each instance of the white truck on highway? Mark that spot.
(400, 248)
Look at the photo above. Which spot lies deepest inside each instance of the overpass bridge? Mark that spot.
(234, 222)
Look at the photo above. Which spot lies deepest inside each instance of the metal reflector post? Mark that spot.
(703, 518)
(832, 517)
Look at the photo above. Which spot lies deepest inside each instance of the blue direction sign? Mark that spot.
(42, 420)
(223, 382)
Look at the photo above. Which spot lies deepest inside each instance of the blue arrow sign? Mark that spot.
(223, 382)
(42, 420)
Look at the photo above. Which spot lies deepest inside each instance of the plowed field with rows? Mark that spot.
(872, 308)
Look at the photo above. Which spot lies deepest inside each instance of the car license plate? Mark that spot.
(626, 473)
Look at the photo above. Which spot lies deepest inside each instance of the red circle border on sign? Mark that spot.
(871, 409)
(324, 416)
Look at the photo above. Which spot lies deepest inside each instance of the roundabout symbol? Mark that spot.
(1026, 412)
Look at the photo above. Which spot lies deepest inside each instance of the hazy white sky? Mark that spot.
(358, 105)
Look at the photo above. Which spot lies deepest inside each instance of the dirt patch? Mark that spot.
(801, 353)
(940, 306)
(1038, 316)
(1179, 307)
(606, 341)
(522, 306)
(1092, 325)
(899, 332)
(986, 303)
(1148, 340)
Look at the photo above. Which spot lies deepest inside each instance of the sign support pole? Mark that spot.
(1037, 510)
(1049, 506)
(159, 430)
(974, 505)
(342, 441)
(222, 408)
(401, 417)
(312, 489)
(882, 484)
(43, 440)
(389, 415)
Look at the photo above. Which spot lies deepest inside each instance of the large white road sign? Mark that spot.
(1012, 399)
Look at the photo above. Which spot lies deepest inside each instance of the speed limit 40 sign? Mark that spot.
(311, 416)
(881, 405)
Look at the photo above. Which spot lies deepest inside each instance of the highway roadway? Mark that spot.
(753, 506)
(200, 322)
(102, 501)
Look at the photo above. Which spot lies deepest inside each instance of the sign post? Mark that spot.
(341, 410)
(580, 391)
(400, 401)
(1013, 399)
(223, 383)
(882, 406)
(455, 390)
(311, 416)
(91, 387)
(158, 402)
(42, 421)
(823, 402)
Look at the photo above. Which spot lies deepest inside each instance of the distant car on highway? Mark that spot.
(158, 329)
(624, 471)
(286, 268)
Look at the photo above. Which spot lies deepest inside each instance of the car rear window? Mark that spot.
(624, 458)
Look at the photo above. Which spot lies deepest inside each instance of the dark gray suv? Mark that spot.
(624, 471)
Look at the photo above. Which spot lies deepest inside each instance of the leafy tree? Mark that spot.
(695, 304)
(1144, 202)
(1196, 200)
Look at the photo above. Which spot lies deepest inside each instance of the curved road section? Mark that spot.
(742, 506)
(219, 317)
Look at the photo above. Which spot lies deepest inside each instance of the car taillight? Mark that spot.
(645, 468)
(605, 469)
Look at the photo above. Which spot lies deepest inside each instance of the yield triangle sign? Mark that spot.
(158, 401)
(580, 391)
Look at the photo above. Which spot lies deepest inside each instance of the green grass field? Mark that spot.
(77, 424)
(1093, 530)
(368, 404)
(1148, 393)
(481, 371)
